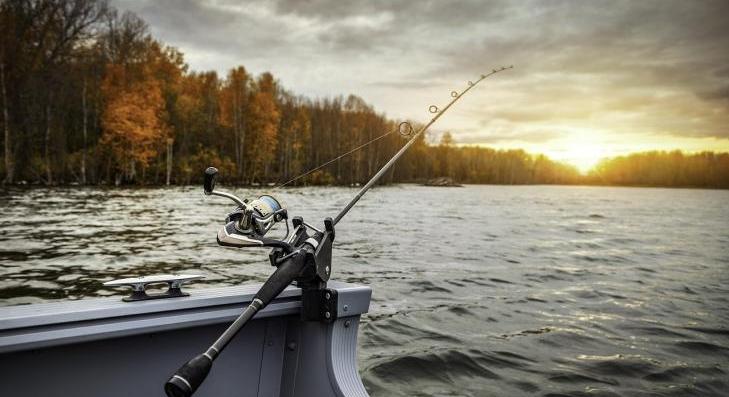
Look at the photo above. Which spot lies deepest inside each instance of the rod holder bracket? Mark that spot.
(319, 304)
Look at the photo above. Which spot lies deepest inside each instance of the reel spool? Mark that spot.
(257, 217)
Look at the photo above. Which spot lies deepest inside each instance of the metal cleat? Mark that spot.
(139, 285)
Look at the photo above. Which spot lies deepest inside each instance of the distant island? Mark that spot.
(90, 97)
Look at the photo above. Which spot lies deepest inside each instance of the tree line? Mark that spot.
(89, 96)
(661, 168)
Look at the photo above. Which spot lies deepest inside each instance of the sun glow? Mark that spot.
(584, 148)
(581, 148)
(583, 154)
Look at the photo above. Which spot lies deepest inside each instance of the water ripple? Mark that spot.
(493, 291)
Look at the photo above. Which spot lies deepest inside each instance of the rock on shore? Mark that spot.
(442, 182)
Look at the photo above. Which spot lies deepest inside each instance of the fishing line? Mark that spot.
(432, 109)
(404, 128)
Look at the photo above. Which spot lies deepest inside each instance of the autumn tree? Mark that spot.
(445, 153)
(264, 123)
(294, 137)
(234, 111)
(38, 42)
(134, 125)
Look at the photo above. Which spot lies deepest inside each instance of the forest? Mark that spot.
(90, 97)
(702, 170)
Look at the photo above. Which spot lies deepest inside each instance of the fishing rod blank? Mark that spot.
(303, 258)
(434, 109)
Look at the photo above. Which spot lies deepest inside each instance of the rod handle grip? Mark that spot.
(189, 377)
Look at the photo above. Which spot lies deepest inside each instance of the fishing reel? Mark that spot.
(249, 223)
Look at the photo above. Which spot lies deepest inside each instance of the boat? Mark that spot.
(113, 348)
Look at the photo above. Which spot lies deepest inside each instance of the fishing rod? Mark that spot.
(433, 109)
(303, 256)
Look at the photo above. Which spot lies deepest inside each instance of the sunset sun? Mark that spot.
(583, 155)
(582, 149)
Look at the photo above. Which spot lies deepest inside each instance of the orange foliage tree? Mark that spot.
(134, 125)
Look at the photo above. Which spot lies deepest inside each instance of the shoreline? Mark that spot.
(419, 184)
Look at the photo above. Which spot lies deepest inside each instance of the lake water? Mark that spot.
(478, 291)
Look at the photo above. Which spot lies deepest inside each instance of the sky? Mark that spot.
(591, 79)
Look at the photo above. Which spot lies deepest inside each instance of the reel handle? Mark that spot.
(209, 183)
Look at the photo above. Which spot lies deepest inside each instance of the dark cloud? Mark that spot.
(206, 27)
(407, 14)
(722, 71)
(404, 84)
(721, 93)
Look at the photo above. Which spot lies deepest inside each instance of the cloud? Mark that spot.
(721, 93)
(657, 68)
(508, 136)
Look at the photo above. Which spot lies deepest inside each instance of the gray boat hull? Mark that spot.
(105, 347)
